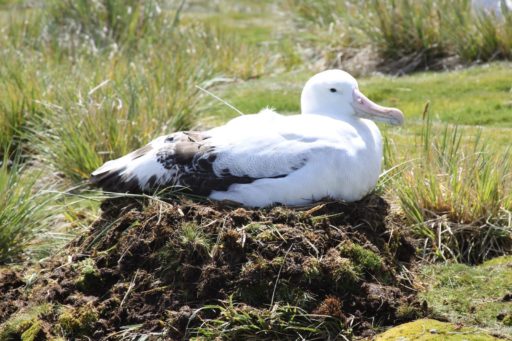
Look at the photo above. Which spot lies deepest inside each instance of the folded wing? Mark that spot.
(203, 162)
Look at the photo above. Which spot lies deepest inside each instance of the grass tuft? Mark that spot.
(458, 196)
(103, 23)
(410, 35)
(283, 322)
(24, 208)
(192, 236)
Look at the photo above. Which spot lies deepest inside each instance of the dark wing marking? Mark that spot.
(113, 181)
(187, 156)
(191, 159)
(110, 179)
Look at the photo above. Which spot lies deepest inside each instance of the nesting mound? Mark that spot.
(177, 270)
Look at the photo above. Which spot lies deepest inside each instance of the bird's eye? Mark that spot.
(332, 90)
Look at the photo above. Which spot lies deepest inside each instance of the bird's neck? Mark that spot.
(351, 119)
(329, 109)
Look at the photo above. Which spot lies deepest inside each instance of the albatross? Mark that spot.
(333, 149)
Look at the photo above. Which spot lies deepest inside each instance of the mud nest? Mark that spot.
(177, 270)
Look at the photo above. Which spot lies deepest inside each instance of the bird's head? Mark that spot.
(335, 93)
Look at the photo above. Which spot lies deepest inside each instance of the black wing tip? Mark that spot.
(115, 181)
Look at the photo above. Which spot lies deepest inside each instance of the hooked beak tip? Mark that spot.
(397, 117)
(368, 109)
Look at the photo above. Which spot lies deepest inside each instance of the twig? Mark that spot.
(220, 99)
(102, 84)
(279, 275)
(130, 288)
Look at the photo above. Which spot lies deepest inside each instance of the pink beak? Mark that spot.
(367, 109)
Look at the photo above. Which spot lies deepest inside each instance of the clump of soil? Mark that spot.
(181, 269)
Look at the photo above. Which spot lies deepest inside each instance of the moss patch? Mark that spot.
(478, 295)
(34, 332)
(77, 321)
(432, 330)
(89, 278)
(26, 324)
(365, 259)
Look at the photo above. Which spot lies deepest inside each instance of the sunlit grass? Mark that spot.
(24, 208)
(480, 95)
(456, 192)
(95, 98)
(407, 34)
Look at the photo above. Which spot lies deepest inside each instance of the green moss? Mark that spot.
(68, 322)
(365, 260)
(24, 325)
(503, 260)
(345, 273)
(256, 264)
(470, 294)
(278, 261)
(426, 329)
(507, 320)
(33, 332)
(407, 312)
(76, 321)
(311, 268)
(89, 275)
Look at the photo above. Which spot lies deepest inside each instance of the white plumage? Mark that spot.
(258, 160)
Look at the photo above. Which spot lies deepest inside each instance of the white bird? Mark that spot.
(331, 150)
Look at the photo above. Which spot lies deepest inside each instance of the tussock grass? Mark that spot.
(24, 209)
(281, 321)
(102, 23)
(121, 112)
(408, 34)
(458, 195)
(116, 75)
(17, 108)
